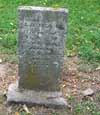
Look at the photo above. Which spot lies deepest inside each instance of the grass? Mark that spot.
(83, 36)
(85, 107)
(83, 25)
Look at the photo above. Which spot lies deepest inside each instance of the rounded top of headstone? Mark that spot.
(42, 8)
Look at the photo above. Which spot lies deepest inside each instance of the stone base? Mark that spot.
(30, 97)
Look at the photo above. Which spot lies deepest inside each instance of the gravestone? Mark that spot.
(41, 43)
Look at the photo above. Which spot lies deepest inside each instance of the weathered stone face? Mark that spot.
(41, 42)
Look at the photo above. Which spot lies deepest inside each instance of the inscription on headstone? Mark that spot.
(42, 34)
(41, 43)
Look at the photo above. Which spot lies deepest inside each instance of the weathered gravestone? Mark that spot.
(41, 42)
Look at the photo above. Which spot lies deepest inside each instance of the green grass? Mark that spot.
(86, 107)
(83, 25)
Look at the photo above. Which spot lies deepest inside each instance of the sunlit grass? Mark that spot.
(83, 25)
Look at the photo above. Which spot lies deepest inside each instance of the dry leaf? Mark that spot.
(0, 60)
(17, 113)
(98, 68)
(64, 85)
(26, 109)
(67, 95)
(75, 86)
(74, 91)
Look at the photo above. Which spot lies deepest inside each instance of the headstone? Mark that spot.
(41, 43)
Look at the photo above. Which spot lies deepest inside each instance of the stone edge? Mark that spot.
(43, 8)
(31, 97)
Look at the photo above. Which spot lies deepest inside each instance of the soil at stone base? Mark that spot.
(76, 77)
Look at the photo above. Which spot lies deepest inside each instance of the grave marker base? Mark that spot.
(31, 97)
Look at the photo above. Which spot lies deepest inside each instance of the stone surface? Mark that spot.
(31, 97)
(41, 42)
(88, 92)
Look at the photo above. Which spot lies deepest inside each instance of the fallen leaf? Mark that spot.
(64, 85)
(0, 60)
(26, 109)
(67, 95)
(98, 68)
(88, 108)
(17, 113)
(74, 91)
(75, 86)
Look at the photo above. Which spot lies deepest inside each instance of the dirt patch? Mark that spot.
(8, 75)
(74, 80)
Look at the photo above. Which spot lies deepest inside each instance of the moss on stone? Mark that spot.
(31, 80)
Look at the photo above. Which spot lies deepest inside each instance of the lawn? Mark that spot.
(83, 25)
